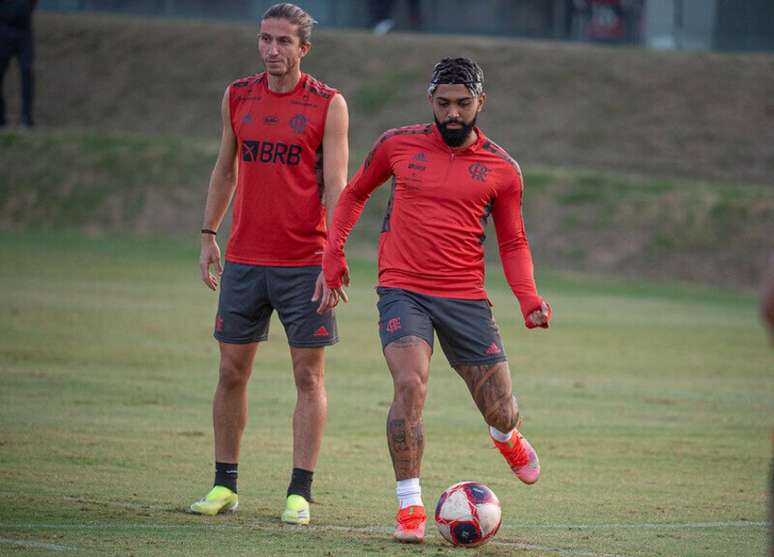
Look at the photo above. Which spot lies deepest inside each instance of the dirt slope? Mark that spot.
(700, 115)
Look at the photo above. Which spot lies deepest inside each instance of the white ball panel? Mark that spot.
(456, 507)
(489, 517)
(445, 531)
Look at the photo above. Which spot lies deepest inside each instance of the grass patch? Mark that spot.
(375, 94)
(108, 368)
(69, 180)
(577, 219)
(595, 189)
(537, 180)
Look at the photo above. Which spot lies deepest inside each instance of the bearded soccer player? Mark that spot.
(447, 179)
(283, 156)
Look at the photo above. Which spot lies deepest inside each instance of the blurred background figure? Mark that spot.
(16, 41)
(605, 21)
(381, 12)
(767, 298)
(609, 21)
(767, 313)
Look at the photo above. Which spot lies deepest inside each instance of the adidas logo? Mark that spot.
(321, 332)
(493, 349)
(420, 157)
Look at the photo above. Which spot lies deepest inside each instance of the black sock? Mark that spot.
(301, 483)
(226, 474)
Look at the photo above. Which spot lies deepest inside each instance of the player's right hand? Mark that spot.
(210, 255)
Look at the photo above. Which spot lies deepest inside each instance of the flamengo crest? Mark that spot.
(298, 123)
(478, 171)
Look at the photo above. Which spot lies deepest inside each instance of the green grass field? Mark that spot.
(651, 408)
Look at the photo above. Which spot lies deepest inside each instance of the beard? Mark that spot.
(454, 137)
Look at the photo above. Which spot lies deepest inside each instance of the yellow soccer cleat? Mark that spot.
(219, 500)
(296, 510)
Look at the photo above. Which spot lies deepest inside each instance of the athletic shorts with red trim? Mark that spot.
(466, 329)
(250, 293)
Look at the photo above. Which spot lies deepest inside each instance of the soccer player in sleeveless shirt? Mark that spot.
(447, 179)
(283, 157)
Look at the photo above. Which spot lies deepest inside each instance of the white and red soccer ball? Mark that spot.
(468, 514)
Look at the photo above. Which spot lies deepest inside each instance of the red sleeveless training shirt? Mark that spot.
(278, 215)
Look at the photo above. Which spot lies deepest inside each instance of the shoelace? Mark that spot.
(412, 521)
(517, 455)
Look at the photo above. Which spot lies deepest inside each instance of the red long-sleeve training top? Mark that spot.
(434, 227)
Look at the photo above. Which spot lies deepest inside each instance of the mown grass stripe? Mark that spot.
(37, 545)
(379, 529)
(364, 530)
(645, 525)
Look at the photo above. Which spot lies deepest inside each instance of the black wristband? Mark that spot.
(208, 231)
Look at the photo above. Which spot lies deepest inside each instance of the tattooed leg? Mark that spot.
(409, 361)
(490, 385)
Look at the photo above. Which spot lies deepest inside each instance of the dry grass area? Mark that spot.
(701, 115)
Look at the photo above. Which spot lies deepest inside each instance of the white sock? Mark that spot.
(409, 493)
(499, 435)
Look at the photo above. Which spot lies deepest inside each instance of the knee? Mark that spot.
(309, 379)
(410, 388)
(233, 375)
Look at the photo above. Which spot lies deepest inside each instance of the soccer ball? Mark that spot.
(468, 514)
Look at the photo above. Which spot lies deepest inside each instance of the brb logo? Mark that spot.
(478, 171)
(268, 152)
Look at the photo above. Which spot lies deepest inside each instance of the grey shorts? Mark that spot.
(250, 293)
(466, 329)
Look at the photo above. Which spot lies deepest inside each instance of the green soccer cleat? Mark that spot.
(296, 511)
(219, 500)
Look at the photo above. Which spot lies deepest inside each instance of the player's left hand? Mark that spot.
(539, 317)
(329, 297)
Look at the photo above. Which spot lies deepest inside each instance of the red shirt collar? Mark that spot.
(296, 88)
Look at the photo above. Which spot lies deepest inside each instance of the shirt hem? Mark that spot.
(315, 262)
(467, 294)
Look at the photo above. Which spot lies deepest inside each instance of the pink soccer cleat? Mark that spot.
(411, 525)
(521, 457)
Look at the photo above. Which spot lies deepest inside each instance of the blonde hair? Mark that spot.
(294, 15)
